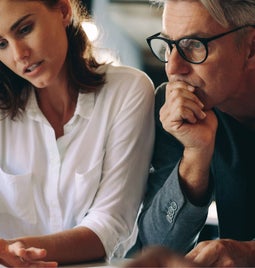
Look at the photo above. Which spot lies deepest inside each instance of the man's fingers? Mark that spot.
(204, 254)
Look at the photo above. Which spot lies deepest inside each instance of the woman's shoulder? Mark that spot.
(126, 73)
(126, 81)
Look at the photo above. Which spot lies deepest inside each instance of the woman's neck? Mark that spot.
(58, 107)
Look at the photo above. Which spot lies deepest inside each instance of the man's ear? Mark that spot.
(66, 10)
(251, 50)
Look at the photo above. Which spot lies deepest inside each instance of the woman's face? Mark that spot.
(33, 41)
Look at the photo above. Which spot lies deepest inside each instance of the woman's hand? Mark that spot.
(15, 254)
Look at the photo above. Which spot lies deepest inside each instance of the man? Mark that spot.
(205, 133)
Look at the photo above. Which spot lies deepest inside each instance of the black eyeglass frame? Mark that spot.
(204, 41)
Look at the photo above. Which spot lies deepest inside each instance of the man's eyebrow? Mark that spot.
(164, 35)
(17, 23)
(194, 35)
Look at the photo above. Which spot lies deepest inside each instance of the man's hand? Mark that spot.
(223, 253)
(183, 116)
(17, 255)
(215, 253)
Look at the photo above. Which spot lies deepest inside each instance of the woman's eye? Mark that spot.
(3, 44)
(25, 30)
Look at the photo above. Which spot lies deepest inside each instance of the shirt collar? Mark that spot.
(84, 107)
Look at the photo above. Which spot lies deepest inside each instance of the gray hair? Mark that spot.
(228, 13)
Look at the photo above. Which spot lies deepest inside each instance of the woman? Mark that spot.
(75, 137)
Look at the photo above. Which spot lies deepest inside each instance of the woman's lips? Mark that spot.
(32, 67)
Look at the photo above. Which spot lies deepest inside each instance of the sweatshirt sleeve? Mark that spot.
(169, 219)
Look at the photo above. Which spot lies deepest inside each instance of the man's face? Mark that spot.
(219, 79)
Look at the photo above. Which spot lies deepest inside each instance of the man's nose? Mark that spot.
(176, 64)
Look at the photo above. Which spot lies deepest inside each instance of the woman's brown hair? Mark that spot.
(81, 65)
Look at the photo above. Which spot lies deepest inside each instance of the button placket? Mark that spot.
(55, 218)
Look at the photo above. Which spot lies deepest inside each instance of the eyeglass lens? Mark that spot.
(191, 50)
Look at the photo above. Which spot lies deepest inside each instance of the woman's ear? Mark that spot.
(66, 10)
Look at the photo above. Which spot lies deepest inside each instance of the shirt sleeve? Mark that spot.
(128, 152)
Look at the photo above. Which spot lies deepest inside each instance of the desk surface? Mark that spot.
(111, 264)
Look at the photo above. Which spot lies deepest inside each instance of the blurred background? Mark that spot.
(121, 30)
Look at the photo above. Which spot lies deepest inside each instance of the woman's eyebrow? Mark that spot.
(17, 23)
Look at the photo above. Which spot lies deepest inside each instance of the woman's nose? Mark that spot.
(20, 51)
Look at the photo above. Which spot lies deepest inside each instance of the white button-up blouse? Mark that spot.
(93, 176)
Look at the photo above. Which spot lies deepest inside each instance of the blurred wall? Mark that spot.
(124, 27)
(113, 37)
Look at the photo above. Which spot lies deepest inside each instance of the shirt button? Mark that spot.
(171, 211)
(169, 218)
(173, 205)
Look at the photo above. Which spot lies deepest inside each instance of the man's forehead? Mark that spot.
(185, 10)
(182, 18)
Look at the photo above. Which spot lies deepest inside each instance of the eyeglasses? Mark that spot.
(191, 49)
